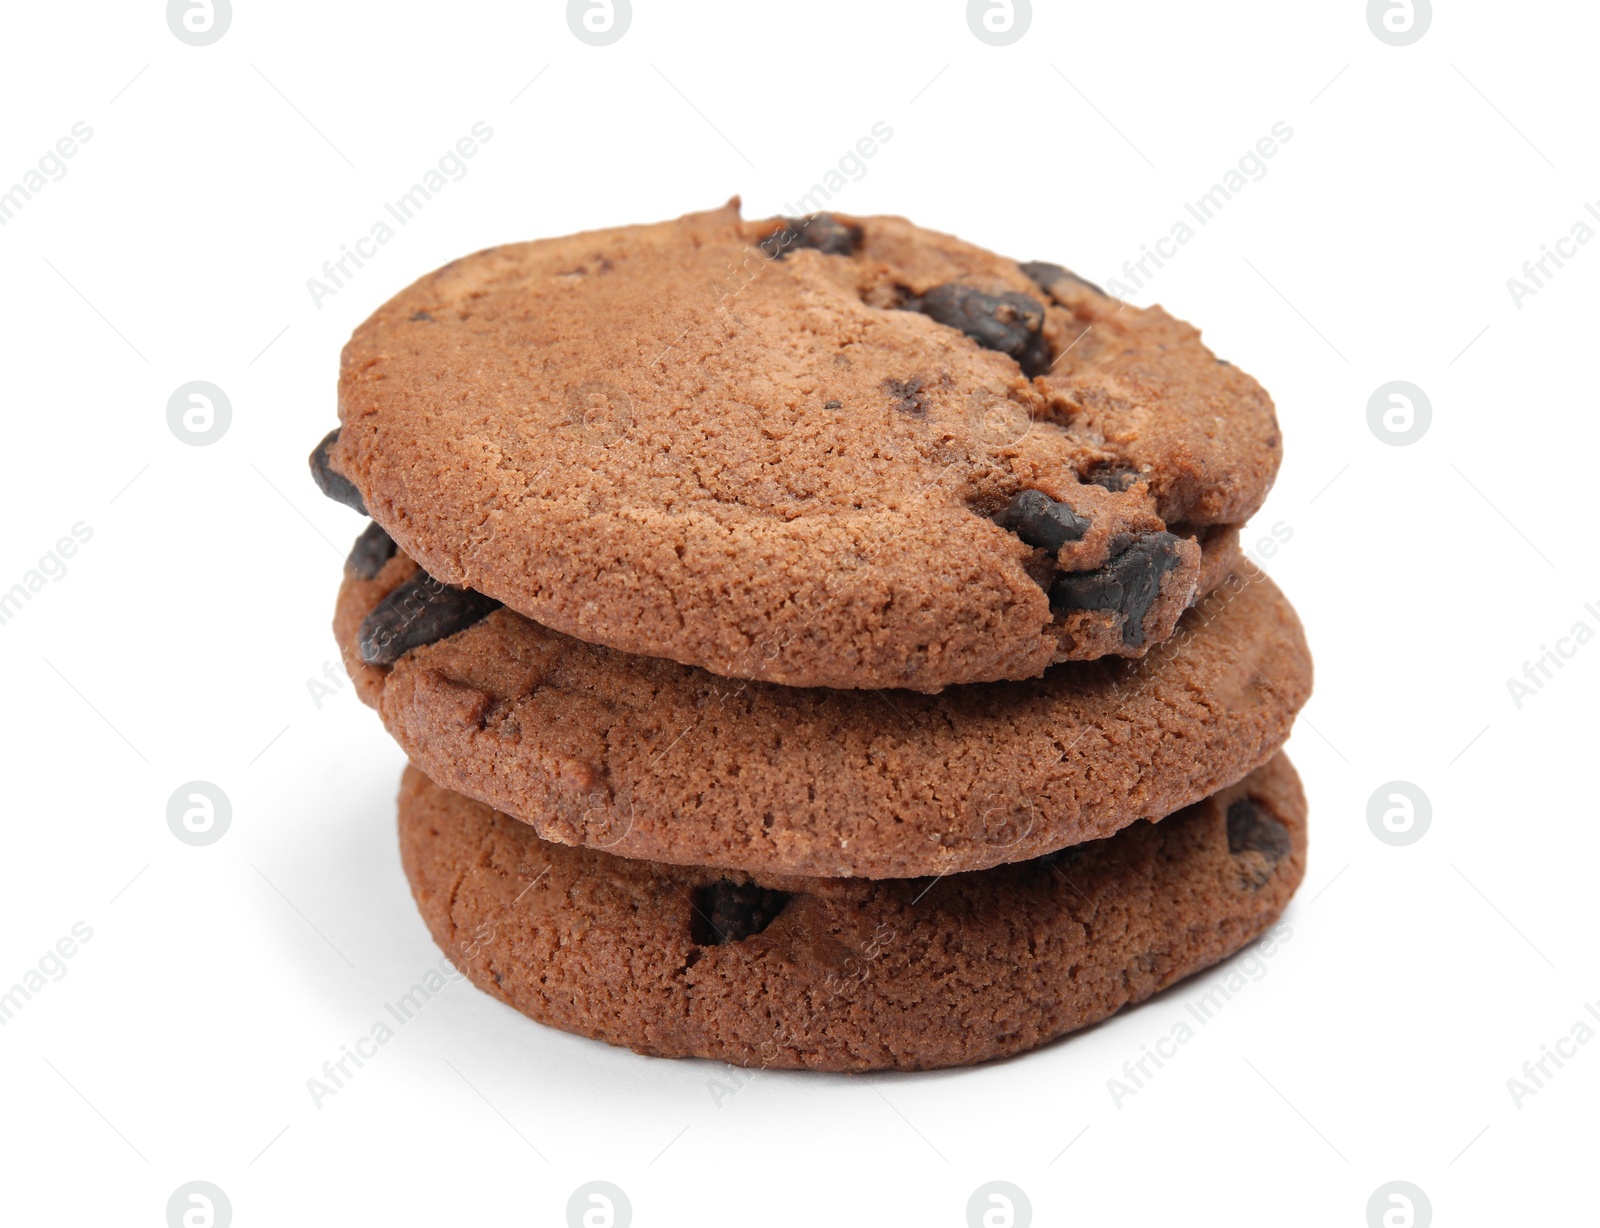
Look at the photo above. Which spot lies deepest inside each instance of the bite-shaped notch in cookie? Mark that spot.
(728, 911)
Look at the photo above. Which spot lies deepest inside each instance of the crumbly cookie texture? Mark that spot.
(655, 760)
(794, 452)
(849, 974)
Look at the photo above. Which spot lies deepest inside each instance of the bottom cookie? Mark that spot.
(849, 974)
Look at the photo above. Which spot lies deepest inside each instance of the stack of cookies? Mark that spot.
(818, 642)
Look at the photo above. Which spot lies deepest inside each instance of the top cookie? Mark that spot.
(840, 452)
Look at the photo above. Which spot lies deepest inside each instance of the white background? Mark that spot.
(180, 642)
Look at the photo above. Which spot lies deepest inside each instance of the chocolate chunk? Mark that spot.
(731, 912)
(907, 394)
(820, 231)
(335, 485)
(1251, 830)
(1040, 521)
(372, 550)
(1128, 584)
(1112, 477)
(1044, 275)
(1259, 840)
(1008, 322)
(421, 611)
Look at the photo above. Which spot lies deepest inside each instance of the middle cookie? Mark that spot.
(650, 759)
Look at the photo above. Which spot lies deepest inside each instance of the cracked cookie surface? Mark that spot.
(789, 458)
(847, 974)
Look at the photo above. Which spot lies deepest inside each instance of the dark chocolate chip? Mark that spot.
(372, 550)
(1008, 322)
(1128, 584)
(419, 316)
(1252, 830)
(1040, 521)
(335, 485)
(1044, 275)
(421, 611)
(731, 912)
(1112, 477)
(834, 405)
(820, 231)
(907, 394)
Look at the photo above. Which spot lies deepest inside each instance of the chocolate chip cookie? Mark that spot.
(849, 974)
(651, 759)
(830, 451)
